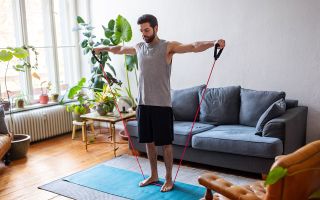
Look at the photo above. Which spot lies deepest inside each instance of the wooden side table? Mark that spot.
(112, 120)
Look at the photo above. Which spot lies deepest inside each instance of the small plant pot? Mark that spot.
(20, 103)
(104, 108)
(76, 117)
(6, 105)
(44, 99)
(123, 135)
(19, 146)
(55, 97)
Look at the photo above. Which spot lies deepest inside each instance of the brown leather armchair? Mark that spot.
(302, 179)
(5, 144)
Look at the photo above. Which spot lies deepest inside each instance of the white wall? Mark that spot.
(271, 45)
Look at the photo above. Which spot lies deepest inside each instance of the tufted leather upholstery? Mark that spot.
(5, 143)
(302, 180)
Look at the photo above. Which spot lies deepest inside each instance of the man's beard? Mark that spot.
(149, 39)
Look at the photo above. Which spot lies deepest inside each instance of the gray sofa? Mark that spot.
(237, 128)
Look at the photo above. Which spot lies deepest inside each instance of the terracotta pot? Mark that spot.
(44, 99)
(20, 103)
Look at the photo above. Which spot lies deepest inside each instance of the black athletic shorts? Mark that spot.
(155, 124)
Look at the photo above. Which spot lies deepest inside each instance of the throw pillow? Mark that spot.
(275, 110)
(254, 103)
(185, 103)
(3, 126)
(220, 105)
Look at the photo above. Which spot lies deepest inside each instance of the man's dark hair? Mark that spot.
(152, 20)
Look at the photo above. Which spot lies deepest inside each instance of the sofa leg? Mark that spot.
(208, 195)
(6, 159)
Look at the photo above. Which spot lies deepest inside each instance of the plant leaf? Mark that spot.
(19, 68)
(275, 175)
(87, 34)
(131, 62)
(106, 42)
(111, 24)
(315, 195)
(123, 31)
(80, 20)
(20, 53)
(5, 55)
(84, 43)
(112, 69)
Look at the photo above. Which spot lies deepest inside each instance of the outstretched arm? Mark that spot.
(176, 47)
(116, 50)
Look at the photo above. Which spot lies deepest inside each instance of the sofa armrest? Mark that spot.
(289, 127)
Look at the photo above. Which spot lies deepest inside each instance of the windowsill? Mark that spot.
(36, 106)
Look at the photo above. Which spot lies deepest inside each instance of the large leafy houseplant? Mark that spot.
(119, 31)
(116, 32)
(19, 58)
(97, 79)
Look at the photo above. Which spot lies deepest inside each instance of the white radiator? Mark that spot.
(41, 123)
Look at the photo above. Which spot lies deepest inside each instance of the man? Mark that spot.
(154, 113)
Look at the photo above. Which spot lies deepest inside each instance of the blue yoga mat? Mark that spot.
(124, 183)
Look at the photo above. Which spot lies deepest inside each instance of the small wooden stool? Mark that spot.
(82, 124)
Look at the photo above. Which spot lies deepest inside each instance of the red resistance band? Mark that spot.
(217, 54)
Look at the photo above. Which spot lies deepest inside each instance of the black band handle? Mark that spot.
(216, 52)
(95, 56)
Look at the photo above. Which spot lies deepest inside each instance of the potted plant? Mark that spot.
(19, 57)
(20, 100)
(119, 31)
(45, 88)
(97, 79)
(83, 104)
(20, 142)
(55, 97)
(105, 99)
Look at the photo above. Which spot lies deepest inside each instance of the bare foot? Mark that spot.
(167, 186)
(148, 181)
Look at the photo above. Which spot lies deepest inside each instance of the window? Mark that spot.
(46, 25)
(9, 37)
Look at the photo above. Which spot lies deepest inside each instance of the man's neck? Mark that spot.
(154, 41)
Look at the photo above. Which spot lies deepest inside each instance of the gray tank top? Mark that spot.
(154, 74)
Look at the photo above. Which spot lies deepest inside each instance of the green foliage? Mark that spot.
(89, 42)
(20, 54)
(131, 62)
(83, 103)
(116, 31)
(315, 195)
(20, 57)
(275, 175)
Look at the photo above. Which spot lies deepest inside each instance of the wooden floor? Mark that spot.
(50, 160)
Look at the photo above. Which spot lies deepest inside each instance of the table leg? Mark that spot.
(85, 134)
(113, 134)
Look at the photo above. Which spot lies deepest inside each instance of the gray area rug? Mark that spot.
(186, 175)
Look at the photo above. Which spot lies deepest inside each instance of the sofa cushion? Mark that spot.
(185, 103)
(237, 139)
(3, 126)
(254, 103)
(275, 110)
(181, 130)
(220, 105)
